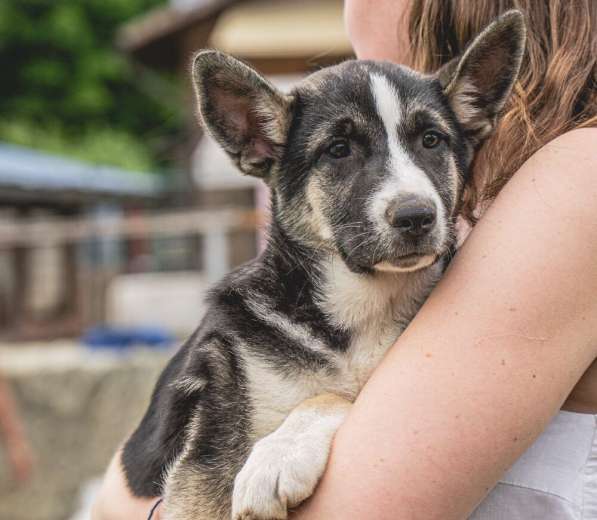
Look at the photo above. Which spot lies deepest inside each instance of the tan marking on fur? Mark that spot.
(437, 118)
(318, 222)
(324, 403)
(462, 95)
(188, 502)
(272, 111)
(317, 137)
(453, 186)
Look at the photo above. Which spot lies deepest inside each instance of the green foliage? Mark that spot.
(105, 146)
(65, 88)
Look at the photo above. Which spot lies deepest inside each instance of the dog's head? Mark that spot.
(366, 159)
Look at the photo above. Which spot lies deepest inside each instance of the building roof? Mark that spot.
(294, 32)
(290, 29)
(30, 174)
(152, 37)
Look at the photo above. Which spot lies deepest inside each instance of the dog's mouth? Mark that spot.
(398, 259)
(407, 263)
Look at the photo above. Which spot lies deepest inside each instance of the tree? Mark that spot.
(65, 88)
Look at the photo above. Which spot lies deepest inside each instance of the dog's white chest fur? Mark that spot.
(376, 309)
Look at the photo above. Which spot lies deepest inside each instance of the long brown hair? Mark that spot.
(557, 88)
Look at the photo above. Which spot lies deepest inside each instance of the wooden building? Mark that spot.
(44, 280)
(284, 39)
(276, 36)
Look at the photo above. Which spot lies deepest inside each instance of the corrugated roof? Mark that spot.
(29, 170)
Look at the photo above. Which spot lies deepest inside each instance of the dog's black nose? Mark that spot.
(412, 218)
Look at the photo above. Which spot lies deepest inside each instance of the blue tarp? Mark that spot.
(122, 338)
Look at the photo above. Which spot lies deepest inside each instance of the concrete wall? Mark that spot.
(77, 407)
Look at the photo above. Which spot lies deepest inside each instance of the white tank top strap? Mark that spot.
(555, 479)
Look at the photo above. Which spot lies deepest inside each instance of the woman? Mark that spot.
(498, 368)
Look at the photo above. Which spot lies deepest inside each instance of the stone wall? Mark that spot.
(77, 407)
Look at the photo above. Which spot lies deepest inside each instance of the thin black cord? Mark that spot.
(155, 506)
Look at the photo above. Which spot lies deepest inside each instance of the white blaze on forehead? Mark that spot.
(406, 177)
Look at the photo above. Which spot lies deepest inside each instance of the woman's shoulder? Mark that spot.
(575, 150)
(555, 189)
(563, 173)
(578, 134)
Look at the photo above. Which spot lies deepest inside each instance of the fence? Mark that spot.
(87, 255)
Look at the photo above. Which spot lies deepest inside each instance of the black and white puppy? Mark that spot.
(366, 163)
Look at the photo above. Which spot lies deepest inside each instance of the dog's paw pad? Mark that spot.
(275, 477)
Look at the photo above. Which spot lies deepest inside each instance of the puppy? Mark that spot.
(366, 163)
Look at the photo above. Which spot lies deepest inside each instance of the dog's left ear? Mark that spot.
(479, 82)
(243, 111)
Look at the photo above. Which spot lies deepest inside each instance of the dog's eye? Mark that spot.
(431, 139)
(339, 148)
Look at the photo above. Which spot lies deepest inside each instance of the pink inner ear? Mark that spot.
(239, 121)
(243, 125)
(234, 110)
(261, 147)
(490, 69)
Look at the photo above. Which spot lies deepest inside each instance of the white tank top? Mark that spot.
(555, 479)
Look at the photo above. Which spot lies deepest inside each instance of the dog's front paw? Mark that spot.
(279, 474)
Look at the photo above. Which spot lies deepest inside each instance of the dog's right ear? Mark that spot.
(479, 82)
(243, 111)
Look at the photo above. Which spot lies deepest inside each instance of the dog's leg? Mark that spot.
(190, 493)
(285, 466)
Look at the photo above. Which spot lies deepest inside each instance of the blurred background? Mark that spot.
(116, 214)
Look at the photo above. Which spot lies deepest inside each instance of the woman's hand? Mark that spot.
(115, 501)
(488, 360)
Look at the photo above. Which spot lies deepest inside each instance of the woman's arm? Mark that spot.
(487, 361)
